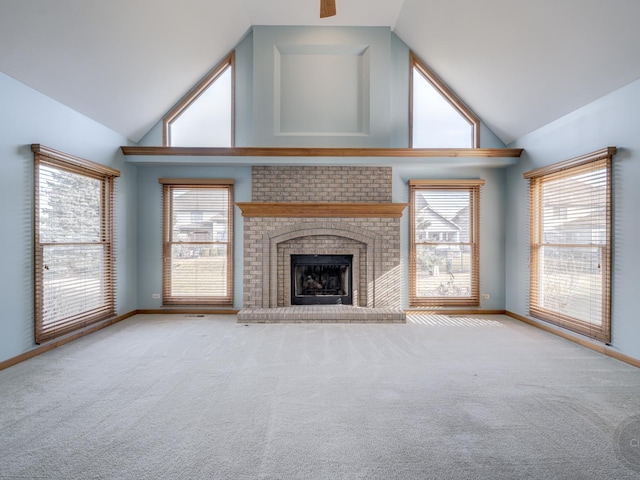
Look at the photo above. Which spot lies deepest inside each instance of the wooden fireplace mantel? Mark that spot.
(321, 152)
(321, 210)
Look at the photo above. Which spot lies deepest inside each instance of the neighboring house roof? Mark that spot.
(592, 220)
(438, 223)
(195, 199)
(462, 217)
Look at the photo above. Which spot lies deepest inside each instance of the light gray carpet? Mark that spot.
(176, 397)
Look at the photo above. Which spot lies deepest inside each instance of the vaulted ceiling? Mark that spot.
(518, 64)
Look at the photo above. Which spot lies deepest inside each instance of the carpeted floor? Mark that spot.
(177, 397)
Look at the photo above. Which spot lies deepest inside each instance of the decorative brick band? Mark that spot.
(272, 239)
(327, 184)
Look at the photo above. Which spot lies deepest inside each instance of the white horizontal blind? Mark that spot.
(445, 243)
(571, 247)
(74, 264)
(198, 247)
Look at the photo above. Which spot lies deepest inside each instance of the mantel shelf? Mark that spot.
(319, 210)
(323, 152)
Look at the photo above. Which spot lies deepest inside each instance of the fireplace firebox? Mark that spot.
(321, 280)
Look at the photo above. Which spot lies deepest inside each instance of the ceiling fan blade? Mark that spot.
(327, 8)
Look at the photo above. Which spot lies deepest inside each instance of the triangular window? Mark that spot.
(205, 117)
(438, 118)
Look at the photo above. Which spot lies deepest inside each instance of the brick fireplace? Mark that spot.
(322, 210)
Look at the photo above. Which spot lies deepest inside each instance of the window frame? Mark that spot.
(568, 169)
(168, 185)
(446, 92)
(44, 156)
(473, 187)
(196, 92)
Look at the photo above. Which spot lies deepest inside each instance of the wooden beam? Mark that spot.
(323, 152)
(321, 210)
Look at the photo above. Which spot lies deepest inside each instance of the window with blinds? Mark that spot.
(570, 237)
(74, 243)
(198, 241)
(445, 247)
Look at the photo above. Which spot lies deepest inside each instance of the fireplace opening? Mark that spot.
(321, 280)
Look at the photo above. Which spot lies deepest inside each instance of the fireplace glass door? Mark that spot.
(321, 280)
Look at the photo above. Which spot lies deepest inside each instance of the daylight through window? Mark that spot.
(438, 118)
(198, 241)
(444, 242)
(74, 264)
(570, 208)
(204, 118)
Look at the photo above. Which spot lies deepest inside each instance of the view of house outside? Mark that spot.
(199, 242)
(442, 237)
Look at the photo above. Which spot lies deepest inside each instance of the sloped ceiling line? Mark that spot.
(518, 65)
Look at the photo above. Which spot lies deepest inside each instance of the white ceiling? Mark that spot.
(518, 64)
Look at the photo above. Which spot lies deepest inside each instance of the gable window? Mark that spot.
(438, 119)
(570, 229)
(444, 245)
(74, 263)
(198, 241)
(205, 117)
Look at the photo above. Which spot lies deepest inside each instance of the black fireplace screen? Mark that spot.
(321, 279)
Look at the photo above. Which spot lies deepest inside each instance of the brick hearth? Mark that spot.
(321, 314)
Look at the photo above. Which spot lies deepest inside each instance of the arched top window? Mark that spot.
(205, 116)
(438, 119)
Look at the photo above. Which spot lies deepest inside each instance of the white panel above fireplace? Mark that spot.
(321, 87)
(321, 90)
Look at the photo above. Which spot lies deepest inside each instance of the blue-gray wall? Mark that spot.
(255, 84)
(492, 225)
(30, 117)
(613, 120)
(150, 224)
(389, 108)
